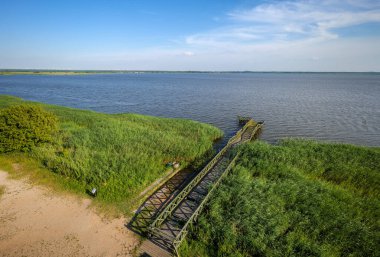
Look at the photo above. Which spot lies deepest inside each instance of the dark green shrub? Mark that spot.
(25, 126)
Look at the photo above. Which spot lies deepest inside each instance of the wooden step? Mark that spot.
(150, 249)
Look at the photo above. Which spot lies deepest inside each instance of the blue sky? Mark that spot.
(300, 35)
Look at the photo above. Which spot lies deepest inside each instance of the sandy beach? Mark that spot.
(35, 221)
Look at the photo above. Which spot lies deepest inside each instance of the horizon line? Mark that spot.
(171, 71)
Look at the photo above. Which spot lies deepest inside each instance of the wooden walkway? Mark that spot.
(158, 200)
(167, 220)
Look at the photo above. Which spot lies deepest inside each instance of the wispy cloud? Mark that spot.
(290, 21)
(188, 53)
(292, 35)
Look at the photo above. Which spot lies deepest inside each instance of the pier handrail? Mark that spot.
(181, 195)
(182, 234)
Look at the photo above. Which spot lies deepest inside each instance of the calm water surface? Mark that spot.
(341, 107)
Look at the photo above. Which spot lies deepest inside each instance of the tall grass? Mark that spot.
(301, 198)
(2, 190)
(118, 154)
(53, 73)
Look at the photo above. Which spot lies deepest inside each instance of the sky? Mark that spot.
(207, 35)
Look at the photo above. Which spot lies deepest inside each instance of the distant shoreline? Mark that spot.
(90, 72)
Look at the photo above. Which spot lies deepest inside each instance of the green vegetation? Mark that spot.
(300, 198)
(119, 154)
(40, 73)
(25, 126)
(83, 72)
(86, 72)
(21, 165)
(2, 190)
(52, 72)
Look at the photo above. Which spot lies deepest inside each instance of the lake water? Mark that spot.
(342, 107)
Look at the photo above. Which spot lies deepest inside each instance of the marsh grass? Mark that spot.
(2, 190)
(20, 165)
(52, 73)
(119, 154)
(300, 198)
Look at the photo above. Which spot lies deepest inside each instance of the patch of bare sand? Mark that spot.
(34, 222)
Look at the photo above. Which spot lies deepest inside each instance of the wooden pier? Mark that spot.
(166, 220)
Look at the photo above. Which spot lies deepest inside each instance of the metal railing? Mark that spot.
(256, 129)
(182, 234)
(180, 196)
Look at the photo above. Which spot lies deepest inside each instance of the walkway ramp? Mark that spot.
(171, 223)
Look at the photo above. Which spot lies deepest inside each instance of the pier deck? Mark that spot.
(167, 225)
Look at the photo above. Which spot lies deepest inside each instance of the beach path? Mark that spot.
(35, 221)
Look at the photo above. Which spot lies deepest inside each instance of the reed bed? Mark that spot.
(119, 154)
(298, 198)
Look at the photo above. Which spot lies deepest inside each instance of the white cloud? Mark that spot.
(336, 55)
(281, 35)
(295, 35)
(289, 20)
(188, 53)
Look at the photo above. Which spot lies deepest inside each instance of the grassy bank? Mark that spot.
(5, 73)
(53, 72)
(301, 198)
(2, 190)
(119, 154)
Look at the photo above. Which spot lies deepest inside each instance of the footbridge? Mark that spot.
(170, 211)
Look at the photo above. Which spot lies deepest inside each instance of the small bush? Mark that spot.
(25, 126)
(119, 154)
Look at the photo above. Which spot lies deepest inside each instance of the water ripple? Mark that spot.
(341, 107)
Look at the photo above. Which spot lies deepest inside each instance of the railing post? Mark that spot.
(179, 197)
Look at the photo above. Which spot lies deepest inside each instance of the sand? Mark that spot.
(34, 221)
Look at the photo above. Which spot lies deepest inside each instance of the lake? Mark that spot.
(342, 107)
